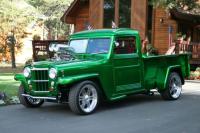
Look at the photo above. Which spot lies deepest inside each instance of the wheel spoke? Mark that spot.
(82, 104)
(81, 98)
(175, 87)
(91, 97)
(87, 105)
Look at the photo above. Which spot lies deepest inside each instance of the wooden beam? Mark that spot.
(96, 13)
(117, 12)
(139, 16)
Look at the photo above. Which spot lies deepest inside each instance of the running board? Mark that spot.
(34, 97)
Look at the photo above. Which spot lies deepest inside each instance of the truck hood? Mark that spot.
(82, 60)
(66, 64)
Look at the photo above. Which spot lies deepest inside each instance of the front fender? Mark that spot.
(21, 78)
(75, 78)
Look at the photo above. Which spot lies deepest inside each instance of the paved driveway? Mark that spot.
(136, 114)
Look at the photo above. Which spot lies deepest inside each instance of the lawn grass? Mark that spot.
(7, 83)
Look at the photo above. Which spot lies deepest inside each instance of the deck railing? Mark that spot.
(193, 48)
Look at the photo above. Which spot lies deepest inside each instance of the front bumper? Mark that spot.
(36, 97)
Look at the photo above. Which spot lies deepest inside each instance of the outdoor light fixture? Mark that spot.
(161, 20)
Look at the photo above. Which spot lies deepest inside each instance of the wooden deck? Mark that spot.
(194, 49)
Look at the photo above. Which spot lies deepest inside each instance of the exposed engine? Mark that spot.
(62, 52)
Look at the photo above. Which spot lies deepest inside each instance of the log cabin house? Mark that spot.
(160, 26)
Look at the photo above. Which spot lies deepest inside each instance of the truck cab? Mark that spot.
(101, 65)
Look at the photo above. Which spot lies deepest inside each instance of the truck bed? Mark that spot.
(156, 69)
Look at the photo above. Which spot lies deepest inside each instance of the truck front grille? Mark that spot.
(40, 79)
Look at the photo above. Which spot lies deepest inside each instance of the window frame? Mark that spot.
(88, 38)
(117, 14)
(126, 36)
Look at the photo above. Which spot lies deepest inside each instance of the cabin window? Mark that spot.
(125, 45)
(109, 13)
(118, 11)
(124, 13)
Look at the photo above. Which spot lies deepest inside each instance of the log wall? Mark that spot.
(96, 13)
(161, 23)
(139, 16)
(82, 17)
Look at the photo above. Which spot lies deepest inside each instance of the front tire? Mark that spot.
(28, 101)
(174, 87)
(84, 98)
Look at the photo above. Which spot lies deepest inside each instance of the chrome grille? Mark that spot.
(40, 79)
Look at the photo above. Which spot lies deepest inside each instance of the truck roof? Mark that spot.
(105, 32)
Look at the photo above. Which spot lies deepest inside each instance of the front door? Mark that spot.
(127, 66)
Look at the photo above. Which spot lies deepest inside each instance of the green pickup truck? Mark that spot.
(101, 65)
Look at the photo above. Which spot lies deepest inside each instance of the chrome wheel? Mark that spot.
(34, 101)
(84, 97)
(88, 98)
(175, 87)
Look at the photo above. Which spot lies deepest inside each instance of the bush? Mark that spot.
(198, 69)
(36, 37)
(29, 62)
(195, 75)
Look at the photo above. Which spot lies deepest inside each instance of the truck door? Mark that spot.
(126, 65)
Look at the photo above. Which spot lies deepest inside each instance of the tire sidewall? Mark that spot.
(25, 101)
(79, 87)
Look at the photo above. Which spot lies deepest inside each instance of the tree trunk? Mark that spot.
(12, 51)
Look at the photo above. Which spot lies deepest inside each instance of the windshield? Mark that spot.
(91, 46)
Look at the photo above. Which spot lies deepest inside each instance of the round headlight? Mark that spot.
(27, 72)
(52, 73)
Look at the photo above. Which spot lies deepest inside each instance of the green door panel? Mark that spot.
(127, 72)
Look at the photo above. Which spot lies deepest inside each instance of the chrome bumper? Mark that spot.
(34, 97)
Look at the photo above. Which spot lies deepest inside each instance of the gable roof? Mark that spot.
(71, 10)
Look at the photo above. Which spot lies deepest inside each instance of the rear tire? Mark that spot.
(28, 101)
(173, 87)
(84, 97)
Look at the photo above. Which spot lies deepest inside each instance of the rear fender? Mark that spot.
(163, 76)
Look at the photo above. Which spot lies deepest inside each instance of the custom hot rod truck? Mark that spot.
(101, 65)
